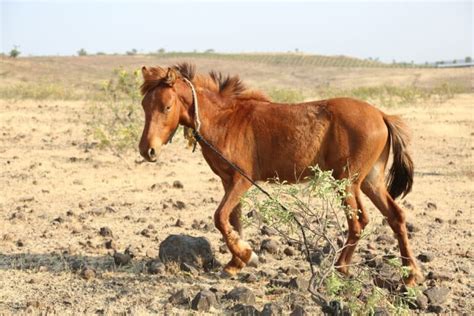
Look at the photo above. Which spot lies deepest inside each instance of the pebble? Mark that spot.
(181, 297)
(272, 309)
(289, 251)
(110, 244)
(440, 276)
(437, 295)
(122, 259)
(298, 310)
(431, 206)
(178, 184)
(241, 294)
(270, 246)
(244, 310)
(299, 283)
(105, 232)
(88, 273)
(269, 231)
(385, 239)
(179, 205)
(179, 223)
(426, 257)
(203, 301)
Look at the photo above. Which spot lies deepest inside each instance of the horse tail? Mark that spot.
(400, 177)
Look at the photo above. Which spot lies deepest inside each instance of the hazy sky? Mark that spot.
(401, 30)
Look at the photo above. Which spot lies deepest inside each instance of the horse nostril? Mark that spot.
(151, 153)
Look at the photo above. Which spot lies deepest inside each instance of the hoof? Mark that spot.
(231, 270)
(414, 279)
(225, 275)
(253, 261)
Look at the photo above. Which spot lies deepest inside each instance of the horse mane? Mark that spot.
(225, 85)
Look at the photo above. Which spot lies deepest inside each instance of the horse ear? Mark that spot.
(145, 72)
(170, 77)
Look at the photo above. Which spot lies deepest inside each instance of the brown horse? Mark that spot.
(266, 139)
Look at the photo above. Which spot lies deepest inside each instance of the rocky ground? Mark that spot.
(80, 229)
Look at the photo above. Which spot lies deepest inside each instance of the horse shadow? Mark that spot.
(60, 262)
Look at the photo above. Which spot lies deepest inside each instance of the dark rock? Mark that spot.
(177, 184)
(179, 223)
(440, 276)
(270, 246)
(155, 267)
(241, 294)
(179, 205)
(437, 309)
(195, 251)
(437, 295)
(272, 309)
(269, 231)
(105, 232)
(387, 278)
(425, 257)
(316, 257)
(110, 244)
(20, 243)
(298, 310)
(146, 233)
(289, 251)
(122, 259)
(182, 297)
(203, 301)
(439, 220)
(431, 206)
(244, 310)
(87, 273)
(299, 283)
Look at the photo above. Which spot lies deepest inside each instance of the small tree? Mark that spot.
(82, 52)
(161, 51)
(132, 52)
(209, 51)
(468, 59)
(14, 53)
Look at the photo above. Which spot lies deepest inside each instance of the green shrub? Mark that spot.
(14, 53)
(315, 219)
(117, 120)
(81, 52)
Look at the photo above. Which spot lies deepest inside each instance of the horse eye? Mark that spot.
(168, 108)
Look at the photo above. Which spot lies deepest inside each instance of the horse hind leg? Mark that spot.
(374, 187)
(357, 219)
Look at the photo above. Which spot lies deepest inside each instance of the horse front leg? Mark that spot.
(242, 253)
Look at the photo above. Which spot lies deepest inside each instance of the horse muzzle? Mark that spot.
(151, 154)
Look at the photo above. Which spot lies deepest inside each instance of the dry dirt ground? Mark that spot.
(57, 191)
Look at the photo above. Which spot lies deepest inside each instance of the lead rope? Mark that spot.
(198, 137)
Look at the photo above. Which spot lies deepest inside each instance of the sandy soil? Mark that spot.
(57, 191)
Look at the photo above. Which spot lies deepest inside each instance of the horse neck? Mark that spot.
(213, 114)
